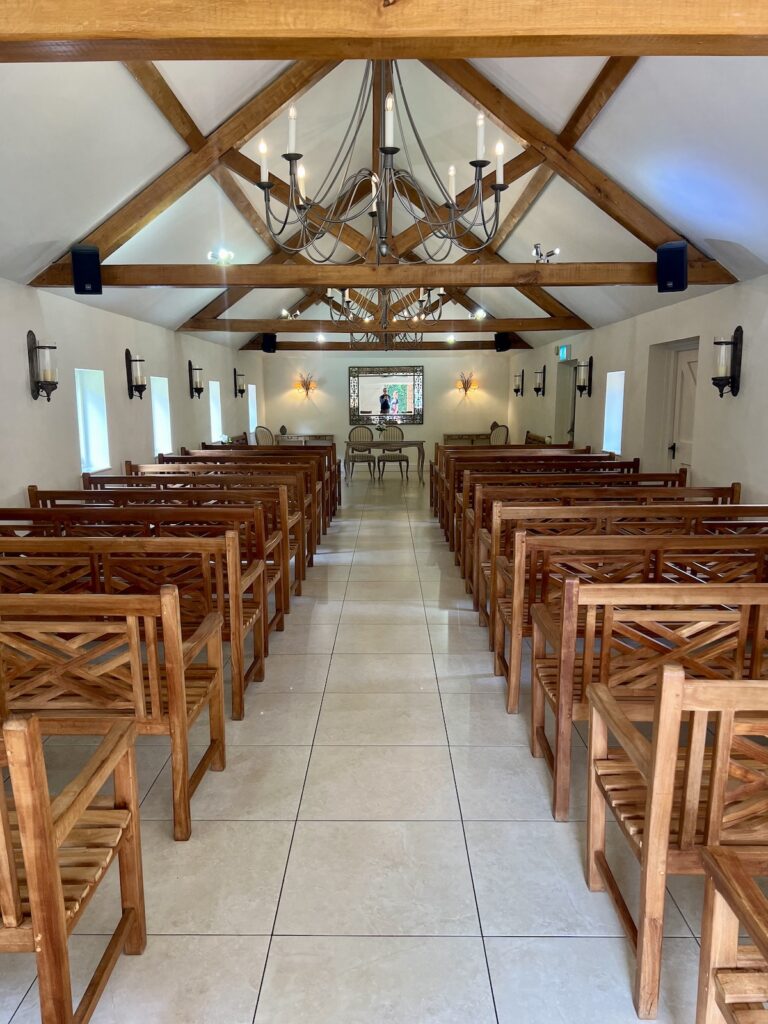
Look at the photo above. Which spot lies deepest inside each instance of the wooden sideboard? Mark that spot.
(305, 439)
(468, 439)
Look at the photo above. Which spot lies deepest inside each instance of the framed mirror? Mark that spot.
(386, 394)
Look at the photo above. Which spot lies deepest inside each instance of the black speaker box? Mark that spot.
(86, 269)
(269, 343)
(503, 341)
(672, 267)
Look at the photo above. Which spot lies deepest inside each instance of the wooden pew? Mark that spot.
(733, 976)
(81, 661)
(54, 853)
(672, 796)
(206, 571)
(560, 623)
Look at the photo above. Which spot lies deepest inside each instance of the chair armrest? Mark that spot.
(251, 574)
(273, 542)
(629, 736)
(294, 518)
(70, 805)
(207, 628)
(545, 622)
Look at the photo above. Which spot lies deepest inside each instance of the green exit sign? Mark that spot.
(563, 353)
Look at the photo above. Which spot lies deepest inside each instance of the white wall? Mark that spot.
(326, 411)
(731, 434)
(40, 440)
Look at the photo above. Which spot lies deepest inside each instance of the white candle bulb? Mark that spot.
(480, 149)
(452, 183)
(329, 293)
(263, 161)
(389, 120)
(301, 175)
(499, 163)
(292, 117)
(723, 368)
(374, 191)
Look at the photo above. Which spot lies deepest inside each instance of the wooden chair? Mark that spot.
(499, 434)
(361, 454)
(264, 435)
(393, 433)
(619, 635)
(82, 661)
(733, 977)
(54, 854)
(701, 781)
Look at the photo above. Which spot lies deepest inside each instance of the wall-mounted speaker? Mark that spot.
(672, 267)
(503, 341)
(269, 343)
(86, 269)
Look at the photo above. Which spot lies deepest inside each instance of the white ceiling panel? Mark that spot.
(79, 139)
(167, 307)
(505, 302)
(687, 136)
(201, 220)
(264, 303)
(547, 87)
(610, 304)
(211, 90)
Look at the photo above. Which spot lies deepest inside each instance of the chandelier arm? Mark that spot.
(345, 150)
(422, 148)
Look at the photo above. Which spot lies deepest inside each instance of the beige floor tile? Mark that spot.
(303, 638)
(180, 979)
(384, 613)
(386, 573)
(326, 590)
(372, 673)
(259, 784)
(17, 974)
(382, 639)
(64, 761)
(468, 673)
(274, 719)
(380, 783)
(458, 639)
(224, 881)
(481, 720)
(412, 719)
(378, 591)
(584, 980)
(313, 610)
(377, 878)
(377, 980)
(292, 673)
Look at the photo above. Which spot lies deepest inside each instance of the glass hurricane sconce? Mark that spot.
(518, 383)
(540, 382)
(239, 383)
(43, 376)
(584, 377)
(135, 377)
(195, 380)
(728, 366)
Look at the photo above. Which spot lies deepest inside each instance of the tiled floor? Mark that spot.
(380, 849)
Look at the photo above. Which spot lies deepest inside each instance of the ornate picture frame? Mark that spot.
(396, 377)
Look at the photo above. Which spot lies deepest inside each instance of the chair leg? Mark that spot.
(401, 470)
(129, 855)
(370, 470)
(216, 707)
(719, 946)
(598, 747)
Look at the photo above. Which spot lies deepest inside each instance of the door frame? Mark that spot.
(660, 400)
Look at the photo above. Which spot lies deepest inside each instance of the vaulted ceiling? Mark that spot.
(680, 140)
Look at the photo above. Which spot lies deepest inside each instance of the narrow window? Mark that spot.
(253, 414)
(614, 411)
(92, 420)
(214, 397)
(161, 414)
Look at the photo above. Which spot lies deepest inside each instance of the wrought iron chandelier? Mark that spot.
(445, 219)
(399, 311)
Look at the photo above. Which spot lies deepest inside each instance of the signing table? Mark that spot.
(385, 446)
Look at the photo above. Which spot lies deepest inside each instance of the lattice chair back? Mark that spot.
(500, 434)
(264, 435)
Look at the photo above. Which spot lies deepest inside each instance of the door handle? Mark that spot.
(672, 448)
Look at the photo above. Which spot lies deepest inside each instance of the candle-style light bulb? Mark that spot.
(499, 163)
(263, 161)
(389, 121)
(723, 348)
(480, 147)
(292, 118)
(374, 191)
(301, 175)
(452, 183)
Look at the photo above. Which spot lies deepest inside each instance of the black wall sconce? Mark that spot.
(43, 378)
(584, 378)
(540, 382)
(195, 380)
(135, 376)
(518, 383)
(239, 379)
(728, 367)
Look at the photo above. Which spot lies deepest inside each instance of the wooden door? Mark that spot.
(686, 363)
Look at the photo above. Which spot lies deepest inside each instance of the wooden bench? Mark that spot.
(733, 976)
(54, 853)
(673, 795)
(206, 571)
(569, 632)
(80, 661)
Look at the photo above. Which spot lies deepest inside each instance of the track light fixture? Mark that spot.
(543, 257)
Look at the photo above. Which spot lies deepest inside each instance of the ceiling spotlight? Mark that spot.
(480, 314)
(221, 257)
(321, 338)
(451, 338)
(543, 257)
(284, 313)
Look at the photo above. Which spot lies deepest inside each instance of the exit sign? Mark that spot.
(563, 352)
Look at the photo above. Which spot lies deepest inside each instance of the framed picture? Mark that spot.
(386, 394)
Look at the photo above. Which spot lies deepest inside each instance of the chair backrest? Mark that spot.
(361, 434)
(500, 434)
(264, 435)
(392, 433)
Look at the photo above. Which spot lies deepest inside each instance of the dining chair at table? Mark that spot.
(361, 453)
(393, 433)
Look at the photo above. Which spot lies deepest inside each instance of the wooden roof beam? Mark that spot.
(486, 326)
